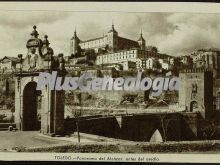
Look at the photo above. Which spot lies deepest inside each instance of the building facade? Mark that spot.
(196, 91)
(114, 49)
(144, 59)
(8, 64)
(206, 58)
(109, 42)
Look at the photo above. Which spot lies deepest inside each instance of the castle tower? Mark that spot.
(112, 39)
(141, 42)
(74, 43)
(196, 91)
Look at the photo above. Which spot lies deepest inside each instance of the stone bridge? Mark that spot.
(141, 127)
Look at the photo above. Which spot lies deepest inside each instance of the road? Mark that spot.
(13, 139)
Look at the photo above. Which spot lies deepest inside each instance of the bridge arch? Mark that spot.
(156, 136)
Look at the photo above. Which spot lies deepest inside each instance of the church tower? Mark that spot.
(141, 42)
(74, 43)
(112, 39)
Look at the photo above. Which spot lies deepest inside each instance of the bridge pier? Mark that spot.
(171, 127)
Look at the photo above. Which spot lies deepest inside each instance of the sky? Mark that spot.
(172, 33)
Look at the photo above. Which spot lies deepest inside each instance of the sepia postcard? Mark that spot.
(110, 81)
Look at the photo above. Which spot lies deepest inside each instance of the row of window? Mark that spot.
(121, 53)
(92, 46)
(113, 58)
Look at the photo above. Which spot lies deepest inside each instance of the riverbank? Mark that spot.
(134, 147)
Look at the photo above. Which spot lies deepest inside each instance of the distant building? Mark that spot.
(117, 57)
(164, 63)
(128, 65)
(110, 42)
(7, 68)
(146, 63)
(187, 62)
(112, 49)
(8, 64)
(206, 58)
(143, 59)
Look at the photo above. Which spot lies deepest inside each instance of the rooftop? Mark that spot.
(93, 39)
(14, 59)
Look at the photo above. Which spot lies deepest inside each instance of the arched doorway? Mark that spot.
(193, 106)
(31, 107)
(156, 136)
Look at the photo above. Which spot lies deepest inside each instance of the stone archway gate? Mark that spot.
(39, 58)
(52, 108)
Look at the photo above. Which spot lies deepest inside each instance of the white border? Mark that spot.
(180, 158)
(113, 7)
(189, 7)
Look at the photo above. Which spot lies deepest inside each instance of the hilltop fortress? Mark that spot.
(111, 42)
(111, 49)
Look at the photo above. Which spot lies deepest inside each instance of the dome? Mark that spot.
(34, 41)
(34, 32)
(46, 50)
(45, 41)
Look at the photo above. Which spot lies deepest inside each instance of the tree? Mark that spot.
(157, 64)
(90, 56)
(209, 130)
(77, 114)
(152, 48)
(77, 117)
(2, 116)
(164, 124)
(106, 48)
(177, 64)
